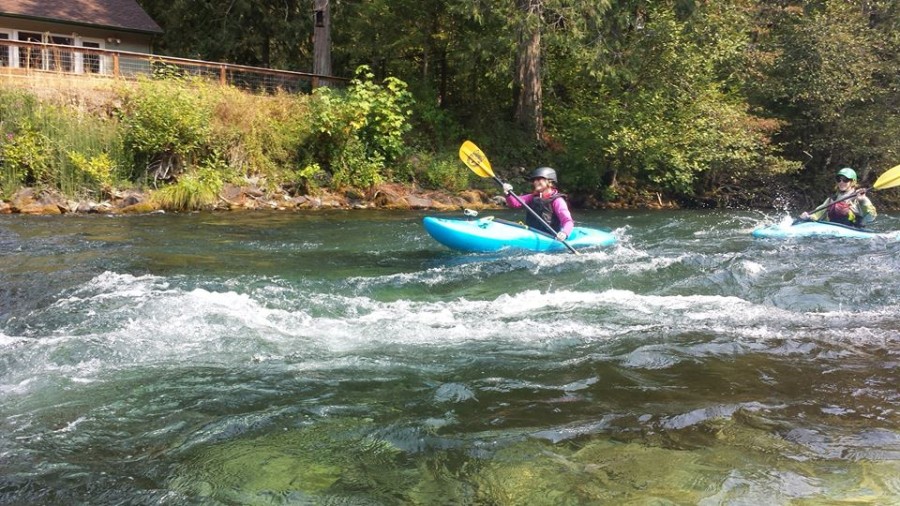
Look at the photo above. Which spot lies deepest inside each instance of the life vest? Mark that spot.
(543, 207)
(842, 212)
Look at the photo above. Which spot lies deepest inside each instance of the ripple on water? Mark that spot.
(268, 371)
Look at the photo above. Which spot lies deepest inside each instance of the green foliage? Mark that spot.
(166, 119)
(261, 135)
(40, 139)
(360, 130)
(23, 152)
(99, 168)
(381, 113)
(441, 172)
(431, 124)
(161, 70)
(309, 178)
(353, 166)
(97, 139)
(659, 113)
(829, 71)
(249, 32)
(25, 157)
(194, 190)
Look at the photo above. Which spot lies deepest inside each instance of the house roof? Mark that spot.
(116, 14)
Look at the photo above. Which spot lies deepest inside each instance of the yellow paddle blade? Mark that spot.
(475, 159)
(889, 179)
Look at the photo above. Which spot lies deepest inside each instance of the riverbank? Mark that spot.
(255, 197)
(114, 147)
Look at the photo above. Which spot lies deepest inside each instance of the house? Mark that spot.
(115, 25)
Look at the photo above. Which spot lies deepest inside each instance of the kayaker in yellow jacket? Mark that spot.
(841, 207)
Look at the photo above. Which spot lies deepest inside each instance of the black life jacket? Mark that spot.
(544, 208)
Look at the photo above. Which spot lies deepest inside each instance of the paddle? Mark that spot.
(889, 179)
(474, 159)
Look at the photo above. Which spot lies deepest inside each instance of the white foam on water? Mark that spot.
(785, 221)
(10, 341)
(138, 321)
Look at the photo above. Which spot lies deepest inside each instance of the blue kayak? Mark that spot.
(813, 229)
(490, 234)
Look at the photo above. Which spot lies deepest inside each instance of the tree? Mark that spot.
(829, 70)
(267, 33)
(647, 98)
(322, 38)
(527, 82)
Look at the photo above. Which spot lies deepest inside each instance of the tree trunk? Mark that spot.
(266, 51)
(442, 93)
(322, 38)
(529, 114)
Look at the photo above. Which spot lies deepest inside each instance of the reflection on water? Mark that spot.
(343, 357)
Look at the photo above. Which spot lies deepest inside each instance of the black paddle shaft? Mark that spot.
(823, 206)
(536, 215)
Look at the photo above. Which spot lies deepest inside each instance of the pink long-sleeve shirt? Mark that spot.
(560, 209)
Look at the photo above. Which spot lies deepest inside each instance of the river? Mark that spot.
(344, 357)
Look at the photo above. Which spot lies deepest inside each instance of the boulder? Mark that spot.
(416, 202)
(86, 207)
(475, 197)
(139, 208)
(22, 198)
(252, 191)
(131, 199)
(38, 208)
(389, 197)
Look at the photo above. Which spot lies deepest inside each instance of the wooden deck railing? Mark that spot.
(17, 57)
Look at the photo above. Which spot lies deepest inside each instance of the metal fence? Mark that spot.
(20, 57)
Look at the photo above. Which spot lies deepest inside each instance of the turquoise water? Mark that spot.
(347, 358)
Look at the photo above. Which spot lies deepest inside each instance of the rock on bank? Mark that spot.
(252, 196)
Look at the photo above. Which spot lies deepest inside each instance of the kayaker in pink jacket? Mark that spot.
(546, 202)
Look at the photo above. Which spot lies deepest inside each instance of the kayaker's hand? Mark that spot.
(861, 192)
(561, 235)
(507, 188)
(804, 216)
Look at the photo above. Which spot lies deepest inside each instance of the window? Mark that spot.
(4, 51)
(60, 59)
(31, 57)
(91, 61)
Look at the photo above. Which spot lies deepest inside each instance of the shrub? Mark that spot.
(360, 129)
(167, 123)
(442, 172)
(193, 190)
(309, 178)
(50, 145)
(261, 134)
(354, 167)
(99, 169)
(25, 157)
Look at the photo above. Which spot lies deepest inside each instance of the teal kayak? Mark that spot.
(813, 229)
(490, 234)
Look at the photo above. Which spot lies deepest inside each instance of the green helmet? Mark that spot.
(848, 173)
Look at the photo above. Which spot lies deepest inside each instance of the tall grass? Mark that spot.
(51, 145)
(88, 153)
(262, 136)
(188, 137)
